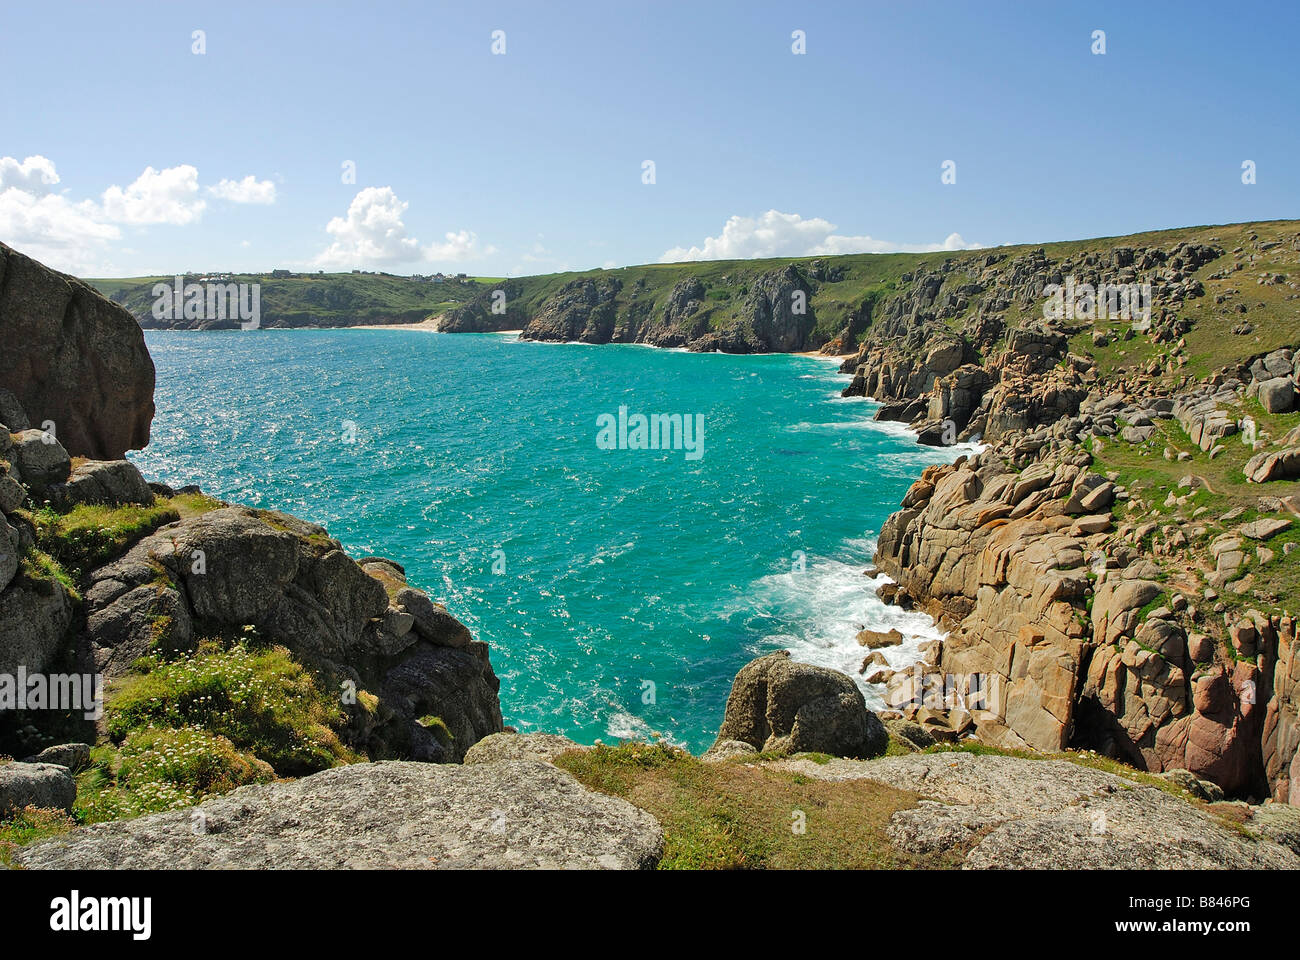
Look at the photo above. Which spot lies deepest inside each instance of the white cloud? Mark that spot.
(35, 175)
(372, 233)
(67, 236)
(777, 234)
(157, 196)
(461, 245)
(75, 236)
(248, 190)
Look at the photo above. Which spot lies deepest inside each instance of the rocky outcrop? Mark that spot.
(772, 312)
(36, 610)
(503, 815)
(236, 566)
(777, 704)
(1019, 372)
(45, 786)
(73, 359)
(1280, 738)
(113, 483)
(37, 460)
(1273, 381)
(1273, 465)
(495, 309)
(583, 310)
(1076, 625)
(36, 614)
(1014, 814)
(520, 746)
(74, 756)
(776, 316)
(1089, 617)
(974, 549)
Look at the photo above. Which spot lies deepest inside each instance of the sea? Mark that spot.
(625, 526)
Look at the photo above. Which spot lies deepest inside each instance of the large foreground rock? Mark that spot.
(513, 814)
(234, 566)
(780, 705)
(75, 358)
(1015, 813)
(42, 785)
(110, 482)
(35, 616)
(520, 746)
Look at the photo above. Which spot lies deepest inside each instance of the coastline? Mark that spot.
(428, 324)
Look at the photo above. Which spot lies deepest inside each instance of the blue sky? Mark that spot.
(148, 158)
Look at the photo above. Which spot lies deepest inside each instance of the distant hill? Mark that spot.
(747, 306)
(309, 299)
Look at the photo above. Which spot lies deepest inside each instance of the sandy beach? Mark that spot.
(834, 357)
(429, 324)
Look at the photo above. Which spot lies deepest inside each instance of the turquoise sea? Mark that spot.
(620, 589)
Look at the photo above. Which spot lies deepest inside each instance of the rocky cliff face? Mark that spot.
(496, 309)
(772, 313)
(73, 358)
(1102, 605)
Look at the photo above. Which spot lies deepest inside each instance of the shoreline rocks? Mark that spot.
(778, 704)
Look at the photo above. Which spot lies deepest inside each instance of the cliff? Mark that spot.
(73, 359)
(1117, 563)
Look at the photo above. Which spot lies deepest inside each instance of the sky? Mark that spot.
(393, 136)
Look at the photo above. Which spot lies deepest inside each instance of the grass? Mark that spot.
(1210, 343)
(30, 825)
(261, 700)
(35, 565)
(199, 725)
(90, 535)
(194, 504)
(439, 728)
(321, 299)
(719, 816)
(70, 544)
(1221, 487)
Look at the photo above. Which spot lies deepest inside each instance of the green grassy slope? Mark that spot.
(842, 285)
(325, 299)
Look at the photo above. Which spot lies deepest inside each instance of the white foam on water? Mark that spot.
(622, 725)
(833, 601)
